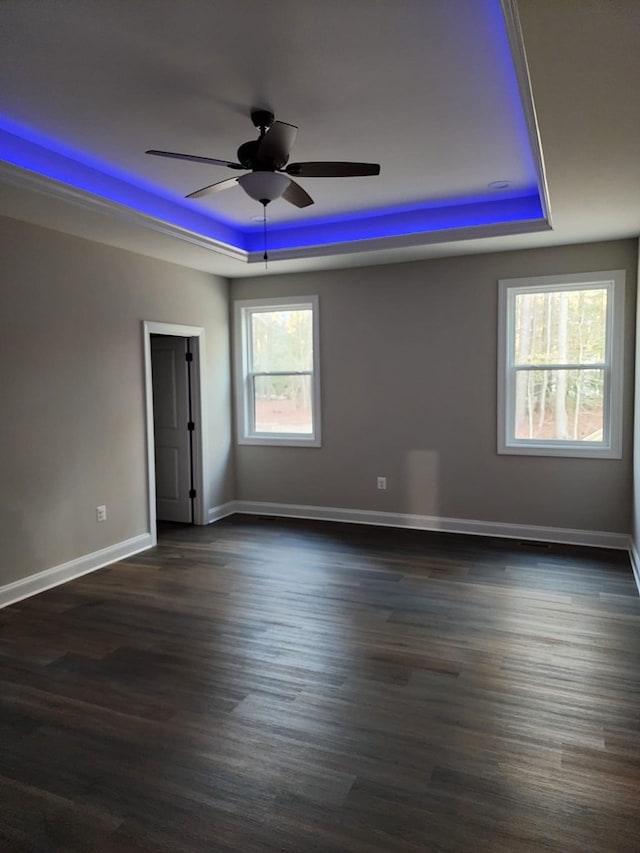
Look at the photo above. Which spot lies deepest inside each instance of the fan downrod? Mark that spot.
(262, 119)
(248, 151)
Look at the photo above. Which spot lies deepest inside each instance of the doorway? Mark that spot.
(174, 383)
(173, 427)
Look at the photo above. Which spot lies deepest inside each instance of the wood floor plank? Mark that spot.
(265, 685)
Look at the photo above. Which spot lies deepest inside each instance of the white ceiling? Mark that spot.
(417, 86)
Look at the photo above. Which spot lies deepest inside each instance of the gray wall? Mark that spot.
(636, 439)
(408, 365)
(71, 377)
(407, 352)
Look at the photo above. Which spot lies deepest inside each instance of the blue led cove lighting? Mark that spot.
(87, 177)
(422, 220)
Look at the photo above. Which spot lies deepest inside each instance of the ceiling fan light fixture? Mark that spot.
(264, 186)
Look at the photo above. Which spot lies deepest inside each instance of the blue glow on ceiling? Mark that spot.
(45, 157)
(28, 149)
(420, 220)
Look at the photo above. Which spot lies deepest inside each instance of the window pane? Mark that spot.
(560, 405)
(560, 327)
(283, 404)
(282, 340)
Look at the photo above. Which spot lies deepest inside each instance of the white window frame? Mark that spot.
(246, 433)
(611, 445)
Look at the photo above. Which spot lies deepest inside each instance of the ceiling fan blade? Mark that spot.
(214, 188)
(332, 170)
(294, 194)
(194, 158)
(275, 145)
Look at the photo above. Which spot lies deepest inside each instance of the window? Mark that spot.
(277, 375)
(560, 365)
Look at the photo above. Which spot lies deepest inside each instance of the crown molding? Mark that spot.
(35, 182)
(425, 238)
(515, 36)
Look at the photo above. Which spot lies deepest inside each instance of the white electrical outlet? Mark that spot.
(382, 482)
(101, 513)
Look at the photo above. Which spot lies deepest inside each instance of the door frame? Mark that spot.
(200, 454)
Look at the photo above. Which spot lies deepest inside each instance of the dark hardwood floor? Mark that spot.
(263, 685)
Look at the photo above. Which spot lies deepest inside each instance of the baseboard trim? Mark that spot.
(634, 556)
(564, 536)
(222, 511)
(34, 584)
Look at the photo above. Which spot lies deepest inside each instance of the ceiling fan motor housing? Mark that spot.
(249, 157)
(247, 153)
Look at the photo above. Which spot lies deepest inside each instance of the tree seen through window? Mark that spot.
(559, 359)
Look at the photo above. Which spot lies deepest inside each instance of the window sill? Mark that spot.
(279, 441)
(571, 451)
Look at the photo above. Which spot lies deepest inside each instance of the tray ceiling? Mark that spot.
(436, 92)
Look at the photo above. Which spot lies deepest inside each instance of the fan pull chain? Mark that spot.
(264, 220)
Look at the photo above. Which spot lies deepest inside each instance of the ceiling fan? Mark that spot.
(268, 176)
